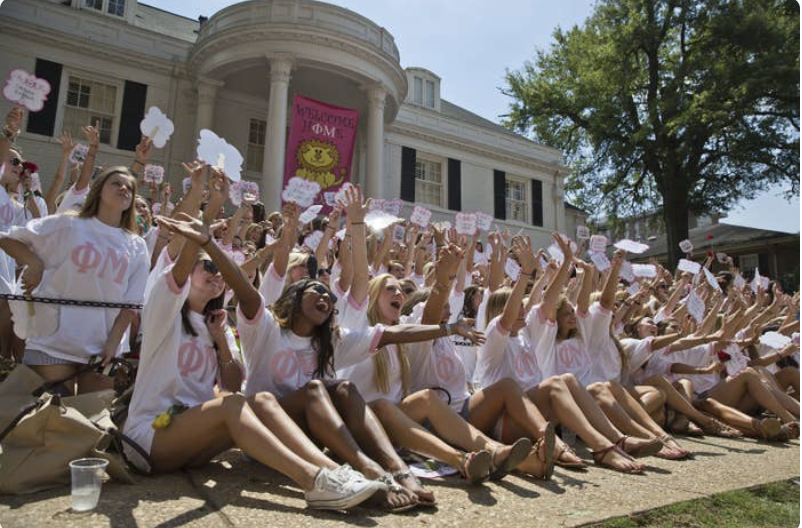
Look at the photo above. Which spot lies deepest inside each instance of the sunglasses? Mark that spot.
(15, 162)
(210, 267)
(322, 271)
(322, 290)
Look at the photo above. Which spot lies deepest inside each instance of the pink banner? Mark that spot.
(321, 145)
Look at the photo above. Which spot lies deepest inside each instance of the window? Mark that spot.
(418, 90)
(256, 145)
(430, 94)
(428, 182)
(748, 263)
(112, 7)
(90, 102)
(116, 8)
(517, 200)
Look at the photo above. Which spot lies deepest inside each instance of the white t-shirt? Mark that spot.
(174, 366)
(281, 362)
(361, 375)
(84, 259)
(638, 352)
(272, 285)
(73, 200)
(504, 356)
(700, 356)
(11, 214)
(569, 356)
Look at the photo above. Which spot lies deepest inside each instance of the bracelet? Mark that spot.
(448, 327)
(357, 223)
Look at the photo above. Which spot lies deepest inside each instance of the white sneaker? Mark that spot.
(338, 490)
(350, 474)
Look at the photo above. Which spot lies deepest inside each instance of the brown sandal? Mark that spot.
(568, 465)
(475, 466)
(767, 428)
(721, 429)
(650, 449)
(598, 459)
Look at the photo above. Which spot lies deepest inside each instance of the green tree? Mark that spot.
(680, 104)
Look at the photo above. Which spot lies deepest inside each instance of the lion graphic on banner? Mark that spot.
(318, 161)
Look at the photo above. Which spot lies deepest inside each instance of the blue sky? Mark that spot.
(471, 43)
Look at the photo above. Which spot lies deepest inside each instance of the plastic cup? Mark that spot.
(87, 479)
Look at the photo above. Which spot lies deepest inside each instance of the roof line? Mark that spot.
(169, 12)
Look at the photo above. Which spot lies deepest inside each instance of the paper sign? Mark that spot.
(633, 288)
(312, 241)
(757, 281)
(543, 263)
(600, 260)
(739, 282)
(301, 191)
(721, 258)
(737, 361)
(310, 214)
(340, 234)
(626, 272)
(36, 183)
(631, 246)
(648, 271)
(598, 244)
(484, 221)
(217, 152)
(330, 198)
(795, 338)
(250, 192)
(660, 316)
(512, 269)
(235, 193)
(376, 204)
(269, 239)
(393, 207)
(689, 266)
(582, 233)
(420, 216)
(379, 220)
(465, 223)
(555, 253)
(398, 234)
(186, 184)
(685, 246)
(157, 126)
(78, 154)
(26, 90)
(775, 340)
(711, 279)
(153, 173)
(696, 307)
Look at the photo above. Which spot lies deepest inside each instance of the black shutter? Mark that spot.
(454, 184)
(133, 111)
(408, 157)
(763, 265)
(537, 203)
(44, 121)
(500, 194)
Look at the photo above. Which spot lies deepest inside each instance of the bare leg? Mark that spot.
(788, 377)
(197, 435)
(731, 392)
(680, 403)
(728, 415)
(616, 413)
(57, 372)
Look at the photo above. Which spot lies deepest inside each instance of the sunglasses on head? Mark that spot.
(210, 267)
(322, 290)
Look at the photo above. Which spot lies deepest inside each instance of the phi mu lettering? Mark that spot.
(104, 261)
(194, 358)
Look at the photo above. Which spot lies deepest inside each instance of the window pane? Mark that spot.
(430, 94)
(94, 4)
(418, 90)
(428, 185)
(116, 7)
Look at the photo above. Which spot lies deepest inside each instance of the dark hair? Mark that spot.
(471, 292)
(214, 304)
(258, 212)
(287, 308)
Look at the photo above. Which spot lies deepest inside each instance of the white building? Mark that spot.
(237, 72)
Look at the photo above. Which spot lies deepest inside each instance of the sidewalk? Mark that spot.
(231, 492)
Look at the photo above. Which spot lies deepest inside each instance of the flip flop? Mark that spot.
(406, 474)
(598, 459)
(475, 466)
(518, 453)
(394, 487)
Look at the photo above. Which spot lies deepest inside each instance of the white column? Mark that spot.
(374, 166)
(276, 141)
(207, 95)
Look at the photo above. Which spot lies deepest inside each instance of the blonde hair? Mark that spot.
(91, 205)
(561, 303)
(380, 361)
(496, 303)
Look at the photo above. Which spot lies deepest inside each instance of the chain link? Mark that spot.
(70, 302)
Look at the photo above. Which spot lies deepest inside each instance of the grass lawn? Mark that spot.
(770, 506)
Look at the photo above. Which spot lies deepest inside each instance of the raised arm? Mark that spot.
(410, 333)
(67, 144)
(289, 235)
(522, 249)
(586, 287)
(555, 287)
(355, 211)
(92, 136)
(445, 271)
(141, 155)
(611, 286)
(498, 255)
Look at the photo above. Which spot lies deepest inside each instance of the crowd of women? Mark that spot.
(325, 363)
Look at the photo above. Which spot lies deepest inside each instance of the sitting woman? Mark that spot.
(174, 414)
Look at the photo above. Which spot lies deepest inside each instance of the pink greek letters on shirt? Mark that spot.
(192, 358)
(120, 264)
(566, 355)
(86, 257)
(284, 366)
(524, 364)
(446, 368)
(308, 363)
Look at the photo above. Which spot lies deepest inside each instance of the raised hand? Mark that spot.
(67, 144)
(143, 150)
(565, 247)
(355, 209)
(522, 249)
(14, 120)
(186, 226)
(92, 135)
(216, 323)
(447, 263)
(219, 186)
(197, 175)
